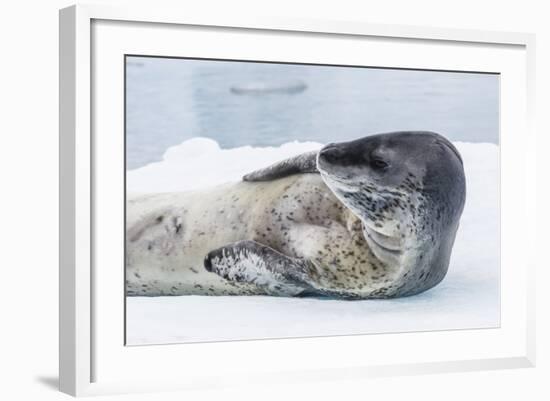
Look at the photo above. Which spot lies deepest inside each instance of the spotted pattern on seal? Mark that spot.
(378, 221)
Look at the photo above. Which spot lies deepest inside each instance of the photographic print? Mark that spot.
(280, 200)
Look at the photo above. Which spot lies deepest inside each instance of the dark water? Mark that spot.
(170, 100)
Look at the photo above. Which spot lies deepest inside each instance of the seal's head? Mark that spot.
(408, 188)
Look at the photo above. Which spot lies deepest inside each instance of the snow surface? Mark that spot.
(468, 297)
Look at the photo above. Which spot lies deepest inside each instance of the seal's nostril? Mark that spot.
(331, 153)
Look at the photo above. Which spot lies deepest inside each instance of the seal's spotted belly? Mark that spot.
(169, 236)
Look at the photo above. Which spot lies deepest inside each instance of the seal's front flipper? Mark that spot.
(304, 163)
(252, 262)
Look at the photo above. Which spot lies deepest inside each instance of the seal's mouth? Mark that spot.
(345, 178)
(326, 166)
(342, 182)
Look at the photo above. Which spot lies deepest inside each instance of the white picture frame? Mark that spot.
(93, 359)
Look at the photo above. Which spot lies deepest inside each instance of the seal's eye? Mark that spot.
(379, 164)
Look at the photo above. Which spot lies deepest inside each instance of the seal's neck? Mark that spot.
(393, 219)
(392, 224)
(388, 249)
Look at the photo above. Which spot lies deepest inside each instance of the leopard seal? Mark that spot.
(370, 218)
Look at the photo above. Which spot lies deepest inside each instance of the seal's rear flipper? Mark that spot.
(304, 163)
(252, 262)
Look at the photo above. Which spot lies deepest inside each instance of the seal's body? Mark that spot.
(378, 221)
